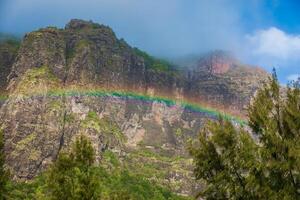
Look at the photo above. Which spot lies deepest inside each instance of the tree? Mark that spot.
(263, 163)
(4, 176)
(72, 176)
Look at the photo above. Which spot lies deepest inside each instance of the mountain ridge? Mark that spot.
(87, 56)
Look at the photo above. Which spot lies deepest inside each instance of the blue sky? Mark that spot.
(259, 32)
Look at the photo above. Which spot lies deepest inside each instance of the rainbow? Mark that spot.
(138, 98)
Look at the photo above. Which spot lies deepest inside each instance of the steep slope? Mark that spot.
(8, 52)
(222, 80)
(79, 54)
(82, 79)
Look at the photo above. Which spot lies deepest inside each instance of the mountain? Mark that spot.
(84, 80)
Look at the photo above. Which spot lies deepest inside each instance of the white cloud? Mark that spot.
(293, 77)
(275, 43)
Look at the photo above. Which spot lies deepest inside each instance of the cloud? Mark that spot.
(273, 48)
(275, 43)
(293, 77)
(167, 28)
(170, 28)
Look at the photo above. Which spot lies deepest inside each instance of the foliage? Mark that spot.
(123, 184)
(38, 80)
(75, 175)
(26, 191)
(4, 177)
(153, 63)
(159, 166)
(237, 165)
(10, 40)
(72, 175)
(104, 126)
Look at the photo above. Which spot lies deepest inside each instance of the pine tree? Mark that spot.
(222, 154)
(261, 164)
(84, 157)
(4, 177)
(72, 175)
(275, 119)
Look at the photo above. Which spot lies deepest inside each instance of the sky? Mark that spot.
(265, 33)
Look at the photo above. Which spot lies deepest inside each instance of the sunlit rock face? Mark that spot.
(149, 137)
(224, 82)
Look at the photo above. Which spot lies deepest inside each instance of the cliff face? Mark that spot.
(148, 136)
(83, 53)
(223, 81)
(8, 52)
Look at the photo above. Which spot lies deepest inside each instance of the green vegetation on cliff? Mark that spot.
(236, 165)
(76, 175)
(3, 172)
(159, 166)
(9, 39)
(9, 46)
(154, 63)
(37, 80)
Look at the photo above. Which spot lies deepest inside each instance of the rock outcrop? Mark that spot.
(83, 53)
(223, 81)
(40, 118)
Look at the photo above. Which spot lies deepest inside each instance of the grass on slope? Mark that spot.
(115, 185)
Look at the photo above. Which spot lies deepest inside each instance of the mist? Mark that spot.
(164, 28)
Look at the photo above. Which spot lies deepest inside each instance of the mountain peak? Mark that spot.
(217, 62)
(80, 24)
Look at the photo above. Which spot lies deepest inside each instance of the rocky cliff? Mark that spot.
(222, 80)
(48, 106)
(8, 52)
